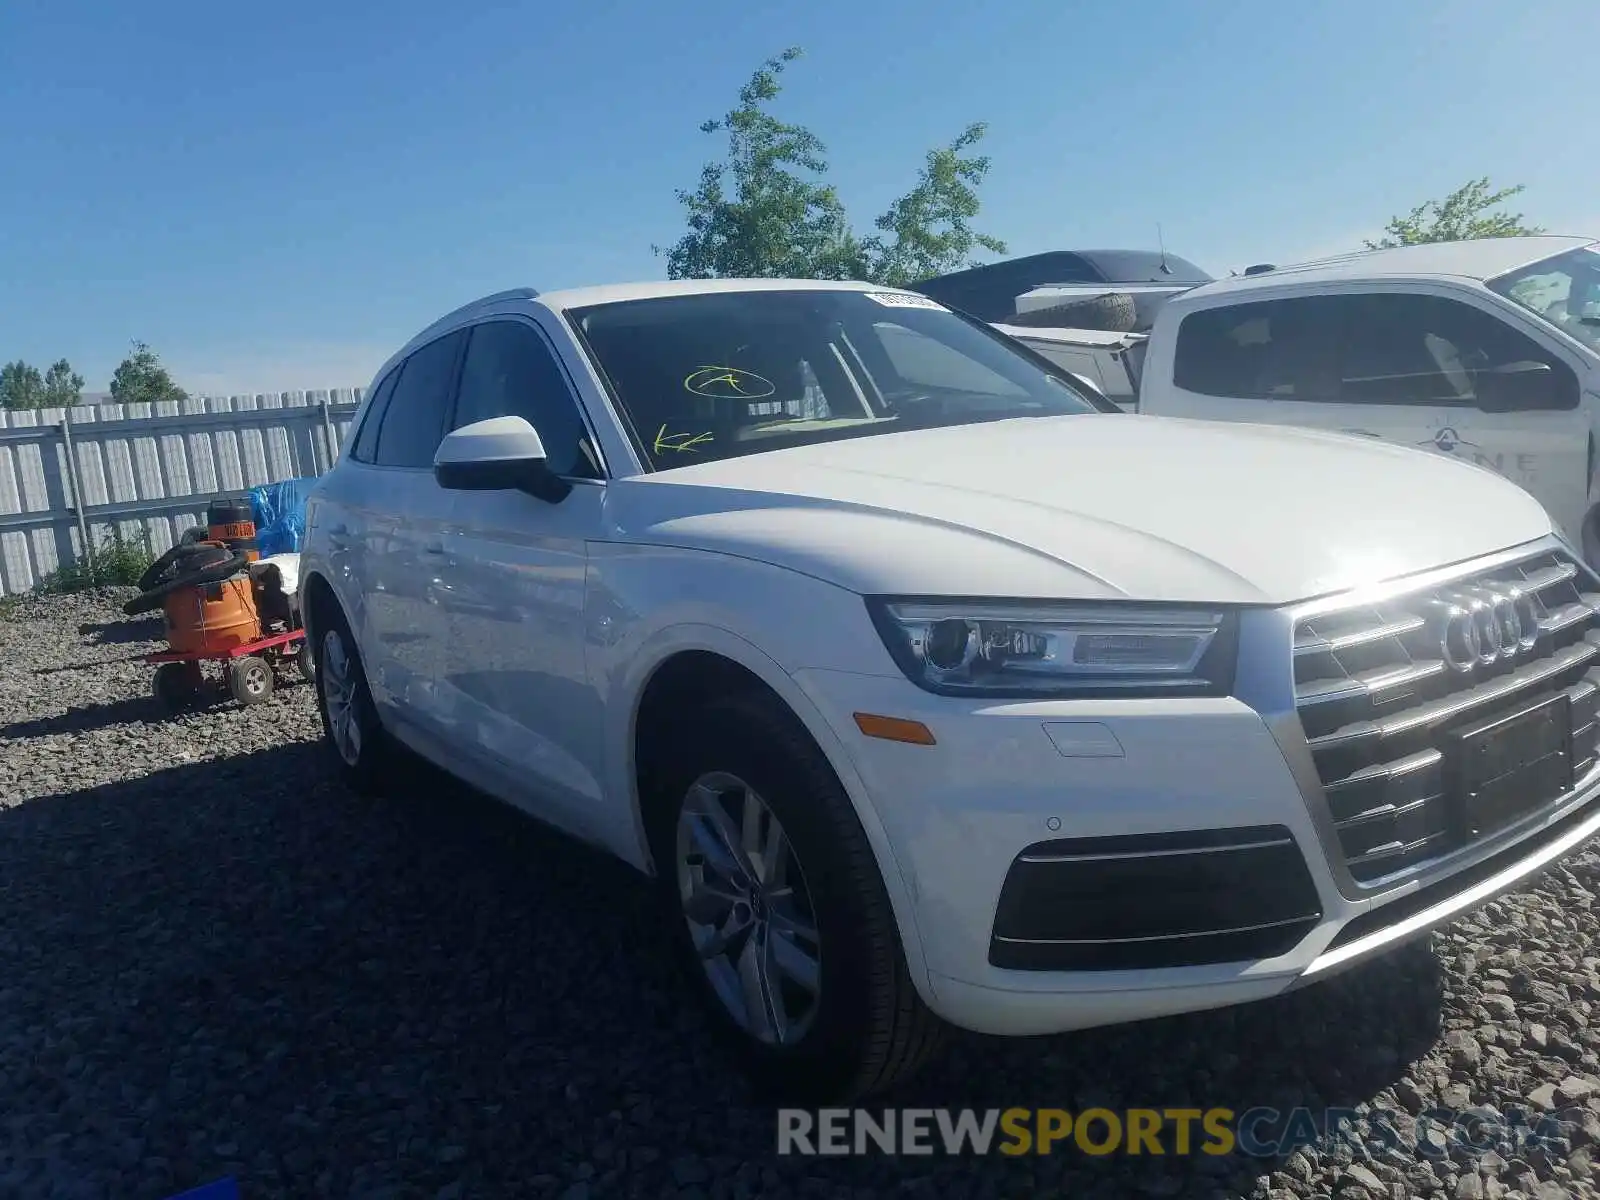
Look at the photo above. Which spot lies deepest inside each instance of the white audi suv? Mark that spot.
(929, 691)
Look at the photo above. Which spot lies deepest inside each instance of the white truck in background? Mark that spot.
(1485, 350)
(1111, 363)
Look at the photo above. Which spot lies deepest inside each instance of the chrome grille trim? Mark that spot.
(1306, 644)
(1377, 685)
(1382, 812)
(1546, 577)
(1392, 850)
(1386, 771)
(1461, 703)
(1367, 684)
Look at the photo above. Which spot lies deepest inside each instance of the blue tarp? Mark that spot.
(279, 511)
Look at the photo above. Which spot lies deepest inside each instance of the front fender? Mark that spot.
(648, 604)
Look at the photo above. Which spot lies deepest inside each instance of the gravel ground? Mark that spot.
(215, 962)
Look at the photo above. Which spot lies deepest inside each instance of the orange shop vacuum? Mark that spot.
(217, 610)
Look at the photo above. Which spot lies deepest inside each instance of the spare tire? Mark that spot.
(213, 564)
(1110, 312)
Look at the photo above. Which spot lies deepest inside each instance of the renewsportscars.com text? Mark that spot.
(1255, 1132)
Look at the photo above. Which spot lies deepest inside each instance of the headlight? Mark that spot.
(1048, 649)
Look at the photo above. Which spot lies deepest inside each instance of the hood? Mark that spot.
(1089, 507)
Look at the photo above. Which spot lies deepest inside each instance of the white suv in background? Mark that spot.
(926, 688)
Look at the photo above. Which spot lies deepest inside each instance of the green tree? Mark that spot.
(764, 212)
(21, 386)
(63, 387)
(141, 379)
(931, 225)
(1462, 215)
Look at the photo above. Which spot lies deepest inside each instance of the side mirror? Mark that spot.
(500, 454)
(1518, 387)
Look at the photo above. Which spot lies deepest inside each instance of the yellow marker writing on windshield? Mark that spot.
(728, 383)
(679, 441)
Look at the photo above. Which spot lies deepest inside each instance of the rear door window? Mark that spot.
(366, 441)
(1266, 350)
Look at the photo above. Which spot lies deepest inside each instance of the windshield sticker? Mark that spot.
(681, 442)
(727, 383)
(904, 300)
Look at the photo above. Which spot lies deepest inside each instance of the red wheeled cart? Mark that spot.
(250, 670)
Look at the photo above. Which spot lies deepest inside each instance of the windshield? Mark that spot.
(722, 374)
(1564, 291)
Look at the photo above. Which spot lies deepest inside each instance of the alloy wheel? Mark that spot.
(339, 698)
(750, 914)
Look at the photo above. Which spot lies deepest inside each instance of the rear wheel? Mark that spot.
(782, 920)
(350, 722)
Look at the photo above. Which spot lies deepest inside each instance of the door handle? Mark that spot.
(433, 548)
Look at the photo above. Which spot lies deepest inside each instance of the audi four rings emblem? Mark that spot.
(1484, 624)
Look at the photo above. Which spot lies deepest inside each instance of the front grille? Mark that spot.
(1380, 688)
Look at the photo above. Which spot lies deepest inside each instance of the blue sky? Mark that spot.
(274, 196)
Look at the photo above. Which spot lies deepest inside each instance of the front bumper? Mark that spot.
(1014, 786)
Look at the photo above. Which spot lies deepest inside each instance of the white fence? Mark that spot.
(67, 476)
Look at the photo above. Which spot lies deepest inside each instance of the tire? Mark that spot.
(305, 662)
(176, 685)
(865, 1026)
(250, 680)
(1111, 312)
(344, 702)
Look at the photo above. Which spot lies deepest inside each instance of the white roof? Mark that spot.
(651, 290)
(1478, 259)
(607, 293)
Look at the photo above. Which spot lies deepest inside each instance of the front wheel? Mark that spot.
(350, 722)
(782, 919)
